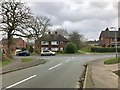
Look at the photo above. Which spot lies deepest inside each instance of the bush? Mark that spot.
(102, 49)
(23, 49)
(31, 49)
(70, 48)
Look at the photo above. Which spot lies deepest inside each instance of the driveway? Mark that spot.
(61, 71)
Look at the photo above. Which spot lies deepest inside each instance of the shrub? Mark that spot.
(23, 49)
(70, 48)
(31, 49)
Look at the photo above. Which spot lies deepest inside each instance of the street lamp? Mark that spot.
(115, 41)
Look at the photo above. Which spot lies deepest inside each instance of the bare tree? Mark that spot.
(62, 31)
(76, 38)
(15, 16)
(39, 27)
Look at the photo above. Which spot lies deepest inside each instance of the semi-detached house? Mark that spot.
(54, 42)
(107, 38)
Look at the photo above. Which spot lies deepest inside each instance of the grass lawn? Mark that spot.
(3, 63)
(26, 59)
(112, 61)
(34, 53)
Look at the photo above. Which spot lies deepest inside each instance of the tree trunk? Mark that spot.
(9, 45)
(39, 49)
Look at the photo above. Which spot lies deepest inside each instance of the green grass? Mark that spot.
(26, 59)
(112, 61)
(34, 53)
(3, 63)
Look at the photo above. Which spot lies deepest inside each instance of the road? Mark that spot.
(61, 71)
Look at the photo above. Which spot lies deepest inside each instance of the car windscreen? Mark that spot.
(45, 51)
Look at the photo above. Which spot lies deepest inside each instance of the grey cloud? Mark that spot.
(99, 4)
(84, 17)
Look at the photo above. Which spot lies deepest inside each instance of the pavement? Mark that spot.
(99, 75)
(17, 64)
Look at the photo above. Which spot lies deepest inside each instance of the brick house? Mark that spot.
(93, 43)
(54, 42)
(18, 43)
(107, 38)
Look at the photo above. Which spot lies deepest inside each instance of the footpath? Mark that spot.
(17, 64)
(100, 76)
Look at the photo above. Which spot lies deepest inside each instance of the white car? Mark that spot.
(47, 52)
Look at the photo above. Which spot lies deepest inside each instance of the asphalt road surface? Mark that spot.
(61, 71)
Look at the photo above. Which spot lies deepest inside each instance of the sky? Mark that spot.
(87, 17)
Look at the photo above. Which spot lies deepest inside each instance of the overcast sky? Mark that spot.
(88, 18)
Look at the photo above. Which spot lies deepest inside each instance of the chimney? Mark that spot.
(119, 29)
(107, 29)
(49, 32)
(55, 32)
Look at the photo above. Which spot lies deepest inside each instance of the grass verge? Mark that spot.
(26, 59)
(112, 61)
(3, 63)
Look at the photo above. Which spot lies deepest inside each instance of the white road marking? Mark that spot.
(55, 66)
(21, 81)
(43, 58)
(72, 57)
(68, 60)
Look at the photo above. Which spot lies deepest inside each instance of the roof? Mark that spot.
(53, 37)
(93, 42)
(5, 41)
(110, 34)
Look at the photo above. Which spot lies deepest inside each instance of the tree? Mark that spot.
(70, 48)
(76, 38)
(31, 49)
(62, 31)
(15, 16)
(39, 27)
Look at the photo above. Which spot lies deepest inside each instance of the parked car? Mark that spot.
(47, 52)
(24, 53)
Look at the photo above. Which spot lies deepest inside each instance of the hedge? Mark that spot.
(102, 49)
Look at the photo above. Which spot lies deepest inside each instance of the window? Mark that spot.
(61, 49)
(61, 42)
(54, 43)
(44, 43)
(113, 39)
(54, 49)
(101, 38)
(44, 48)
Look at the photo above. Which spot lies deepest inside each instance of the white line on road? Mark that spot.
(68, 60)
(72, 57)
(21, 81)
(55, 66)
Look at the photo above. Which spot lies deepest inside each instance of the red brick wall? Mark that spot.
(21, 44)
(106, 42)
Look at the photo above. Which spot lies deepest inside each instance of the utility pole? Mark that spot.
(115, 42)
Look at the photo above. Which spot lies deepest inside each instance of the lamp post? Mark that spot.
(115, 41)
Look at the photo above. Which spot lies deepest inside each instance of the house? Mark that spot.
(107, 38)
(93, 42)
(54, 42)
(18, 43)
